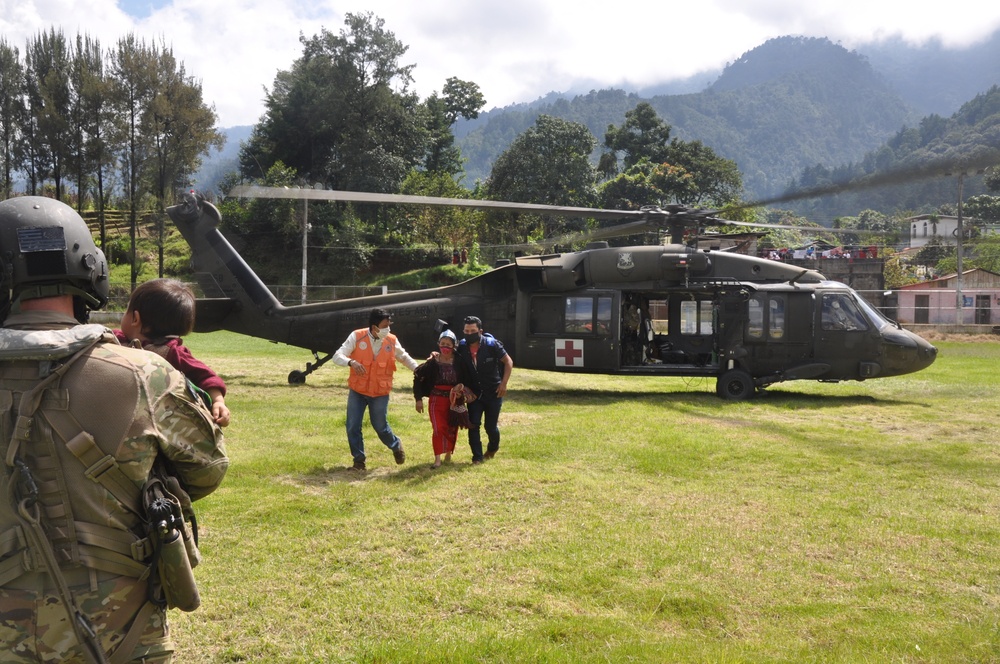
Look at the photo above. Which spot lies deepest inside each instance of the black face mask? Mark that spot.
(473, 338)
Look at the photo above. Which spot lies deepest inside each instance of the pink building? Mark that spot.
(935, 302)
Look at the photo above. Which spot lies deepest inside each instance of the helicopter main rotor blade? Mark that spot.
(976, 160)
(256, 191)
(674, 218)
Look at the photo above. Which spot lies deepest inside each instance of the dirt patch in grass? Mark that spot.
(972, 338)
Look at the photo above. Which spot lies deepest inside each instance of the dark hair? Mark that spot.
(377, 316)
(473, 320)
(165, 306)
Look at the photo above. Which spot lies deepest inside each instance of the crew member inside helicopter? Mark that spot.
(637, 331)
(841, 313)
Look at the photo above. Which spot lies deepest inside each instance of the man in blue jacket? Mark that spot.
(494, 366)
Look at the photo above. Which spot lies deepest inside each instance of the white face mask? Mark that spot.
(383, 332)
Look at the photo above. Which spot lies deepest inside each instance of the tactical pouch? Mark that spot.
(171, 581)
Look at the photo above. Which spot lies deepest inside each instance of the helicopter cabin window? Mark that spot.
(696, 317)
(772, 325)
(776, 317)
(755, 320)
(840, 312)
(570, 315)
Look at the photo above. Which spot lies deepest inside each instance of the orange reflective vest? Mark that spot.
(377, 380)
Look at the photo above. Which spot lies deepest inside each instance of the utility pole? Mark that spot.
(959, 317)
(305, 245)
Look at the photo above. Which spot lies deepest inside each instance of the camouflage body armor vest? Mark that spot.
(65, 466)
(83, 503)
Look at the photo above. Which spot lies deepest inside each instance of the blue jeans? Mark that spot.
(487, 408)
(377, 409)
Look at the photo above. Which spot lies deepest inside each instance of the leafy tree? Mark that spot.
(896, 273)
(261, 216)
(647, 183)
(778, 238)
(716, 181)
(992, 179)
(450, 227)
(12, 113)
(442, 154)
(982, 208)
(643, 136)
(548, 164)
(463, 99)
(97, 120)
(180, 125)
(986, 254)
(983, 253)
(933, 252)
(268, 232)
(872, 227)
(684, 172)
(133, 64)
(342, 115)
(459, 99)
(47, 74)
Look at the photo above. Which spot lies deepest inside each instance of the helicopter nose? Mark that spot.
(906, 352)
(928, 352)
(925, 354)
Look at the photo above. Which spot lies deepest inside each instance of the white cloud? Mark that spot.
(514, 50)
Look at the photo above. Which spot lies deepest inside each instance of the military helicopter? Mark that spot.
(664, 310)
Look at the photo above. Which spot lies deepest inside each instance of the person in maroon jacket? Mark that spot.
(159, 313)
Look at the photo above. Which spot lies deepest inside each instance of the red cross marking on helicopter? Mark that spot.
(567, 353)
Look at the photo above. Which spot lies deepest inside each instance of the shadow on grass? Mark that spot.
(784, 397)
(409, 473)
(279, 382)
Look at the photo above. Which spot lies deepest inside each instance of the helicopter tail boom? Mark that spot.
(223, 275)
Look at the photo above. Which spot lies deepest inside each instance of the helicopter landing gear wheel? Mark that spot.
(299, 377)
(735, 385)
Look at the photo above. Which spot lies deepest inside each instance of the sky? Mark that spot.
(515, 50)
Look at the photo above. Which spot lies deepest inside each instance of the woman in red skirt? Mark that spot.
(437, 379)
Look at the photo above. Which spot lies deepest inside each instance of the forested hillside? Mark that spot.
(788, 105)
(970, 132)
(782, 111)
(933, 79)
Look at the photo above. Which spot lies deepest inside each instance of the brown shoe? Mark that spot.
(490, 455)
(399, 455)
(358, 465)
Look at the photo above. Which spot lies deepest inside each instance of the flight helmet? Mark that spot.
(46, 249)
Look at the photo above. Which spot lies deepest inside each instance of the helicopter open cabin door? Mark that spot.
(569, 332)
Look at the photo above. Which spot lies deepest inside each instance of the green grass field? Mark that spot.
(624, 520)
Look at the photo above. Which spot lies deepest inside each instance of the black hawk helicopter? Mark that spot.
(665, 310)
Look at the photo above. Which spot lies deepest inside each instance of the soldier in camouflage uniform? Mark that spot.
(77, 450)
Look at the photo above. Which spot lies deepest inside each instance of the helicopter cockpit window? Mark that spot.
(841, 312)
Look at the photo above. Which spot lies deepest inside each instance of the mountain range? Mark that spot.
(787, 105)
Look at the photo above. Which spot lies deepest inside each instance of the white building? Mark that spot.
(924, 228)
